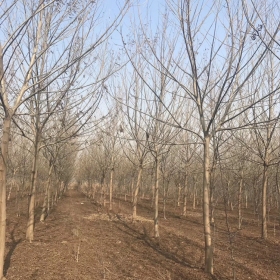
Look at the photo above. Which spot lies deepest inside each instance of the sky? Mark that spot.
(141, 12)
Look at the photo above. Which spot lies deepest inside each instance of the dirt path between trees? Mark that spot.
(80, 240)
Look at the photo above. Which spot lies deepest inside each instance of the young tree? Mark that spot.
(264, 135)
(134, 131)
(161, 109)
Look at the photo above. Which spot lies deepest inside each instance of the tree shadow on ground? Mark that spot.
(155, 244)
(164, 249)
(13, 244)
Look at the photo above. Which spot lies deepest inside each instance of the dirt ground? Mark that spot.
(81, 240)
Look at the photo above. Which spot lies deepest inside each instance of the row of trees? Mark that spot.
(191, 104)
(53, 63)
(204, 83)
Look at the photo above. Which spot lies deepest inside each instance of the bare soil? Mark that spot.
(82, 240)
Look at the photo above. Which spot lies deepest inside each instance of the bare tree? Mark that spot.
(134, 137)
(161, 109)
(263, 135)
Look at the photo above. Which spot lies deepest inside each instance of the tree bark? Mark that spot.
(179, 195)
(156, 229)
(31, 206)
(131, 189)
(111, 189)
(135, 193)
(240, 201)
(194, 193)
(264, 201)
(165, 185)
(3, 173)
(185, 196)
(206, 208)
(45, 209)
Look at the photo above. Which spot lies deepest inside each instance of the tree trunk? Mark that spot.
(179, 195)
(156, 229)
(132, 189)
(153, 196)
(264, 201)
(45, 209)
(240, 201)
(277, 189)
(165, 186)
(49, 200)
(52, 200)
(93, 189)
(256, 197)
(194, 199)
(185, 196)
(135, 194)
(31, 207)
(194, 193)
(102, 190)
(206, 207)
(45, 202)
(56, 195)
(111, 189)
(228, 194)
(3, 172)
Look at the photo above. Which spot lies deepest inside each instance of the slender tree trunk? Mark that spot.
(228, 194)
(3, 173)
(111, 189)
(194, 199)
(153, 196)
(156, 229)
(240, 201)
(206, 208)
(104, 194)
(264, 201)
(31, 206)
(102, 190)
(194, 193)
(53, 199)
(256, 204)
(164, 199)
(45, 208)
(179, 195)
(49, 200)
(135, 194)
(13, 184)
(56, 195)
(93, 189)
(165, 190)
(10, 191)
(132, 190)
(278, 191)
(18, 199)
(45, 203)
(185, 196)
